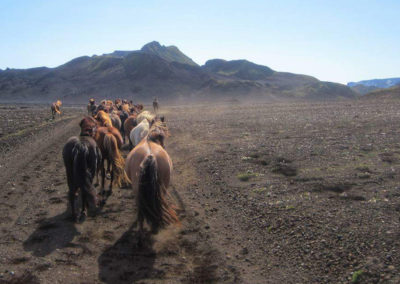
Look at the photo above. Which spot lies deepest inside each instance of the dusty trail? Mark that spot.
(39, 243)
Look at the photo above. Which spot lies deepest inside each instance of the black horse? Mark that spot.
(82, 159)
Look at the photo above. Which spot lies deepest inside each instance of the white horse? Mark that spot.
(145, 115)
(139, 132)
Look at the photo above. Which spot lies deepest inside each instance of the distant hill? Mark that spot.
(366, 86)
(362, 89)
(160, 71)
(388, 93)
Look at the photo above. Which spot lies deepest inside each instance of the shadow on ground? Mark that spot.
(126, 262)
(51, 234)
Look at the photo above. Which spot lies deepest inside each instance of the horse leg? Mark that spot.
(71, 196)
(111, 181)
(108, 169)
(103, 176)
(83, 215)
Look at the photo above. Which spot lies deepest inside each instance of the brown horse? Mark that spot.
(55, 108)
(149, 168)
(82, 159)
(129, 124)
(109, 141)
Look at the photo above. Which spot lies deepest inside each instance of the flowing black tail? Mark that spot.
(82, 175)
(152, 204)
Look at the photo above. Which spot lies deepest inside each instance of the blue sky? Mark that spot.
(337, 41)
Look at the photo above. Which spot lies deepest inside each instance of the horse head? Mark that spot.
(88, 126)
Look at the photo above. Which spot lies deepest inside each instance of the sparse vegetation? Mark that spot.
(355, 278)
(246, 176)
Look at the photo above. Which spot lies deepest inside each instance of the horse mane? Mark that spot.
(158, 132)
(104, 118)
(145, 115)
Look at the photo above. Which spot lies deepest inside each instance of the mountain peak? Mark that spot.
(168, 53)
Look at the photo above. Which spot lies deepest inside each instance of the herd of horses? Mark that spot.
(97, 152)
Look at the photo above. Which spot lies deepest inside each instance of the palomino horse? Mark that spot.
(109, 141)
(145, 115)
(82, 159)
(55, 108)
(149, 168)
(139, 132)
(103, 118)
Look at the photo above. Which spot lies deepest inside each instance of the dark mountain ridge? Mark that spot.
(160, 71)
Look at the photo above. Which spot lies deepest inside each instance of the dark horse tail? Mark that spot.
(117, 161)
(81, 175)
(152, 203)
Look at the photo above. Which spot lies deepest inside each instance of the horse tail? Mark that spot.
(81, 175)
(117, 161)
(152, 203)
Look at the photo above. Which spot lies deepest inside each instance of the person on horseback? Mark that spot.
(91, 108)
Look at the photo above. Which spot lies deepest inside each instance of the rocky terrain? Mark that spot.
(268, 193)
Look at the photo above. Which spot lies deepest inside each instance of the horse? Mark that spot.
(149, 167)
(115, 120)
(109, 141)
(55, 108)
(145, 115)
(129, 124)
(103, 118)
(139, 132)
(123, 115)
(82, 159)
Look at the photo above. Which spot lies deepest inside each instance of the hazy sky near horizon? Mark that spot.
(337, 41)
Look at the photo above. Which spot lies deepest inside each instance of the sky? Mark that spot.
(338, 41)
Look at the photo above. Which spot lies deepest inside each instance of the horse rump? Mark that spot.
(152, 203)
(80, 166)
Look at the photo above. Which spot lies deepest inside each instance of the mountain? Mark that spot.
(366, 86)
(387, 93)
(160, 71)
(169, 53)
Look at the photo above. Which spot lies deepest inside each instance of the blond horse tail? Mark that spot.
(117, 161)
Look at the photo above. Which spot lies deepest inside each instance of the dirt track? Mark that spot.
(321, 201)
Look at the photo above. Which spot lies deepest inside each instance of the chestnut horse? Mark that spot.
(82, 159)
(55, 108)
(129, 124)
(109, 141)
(149, 168)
